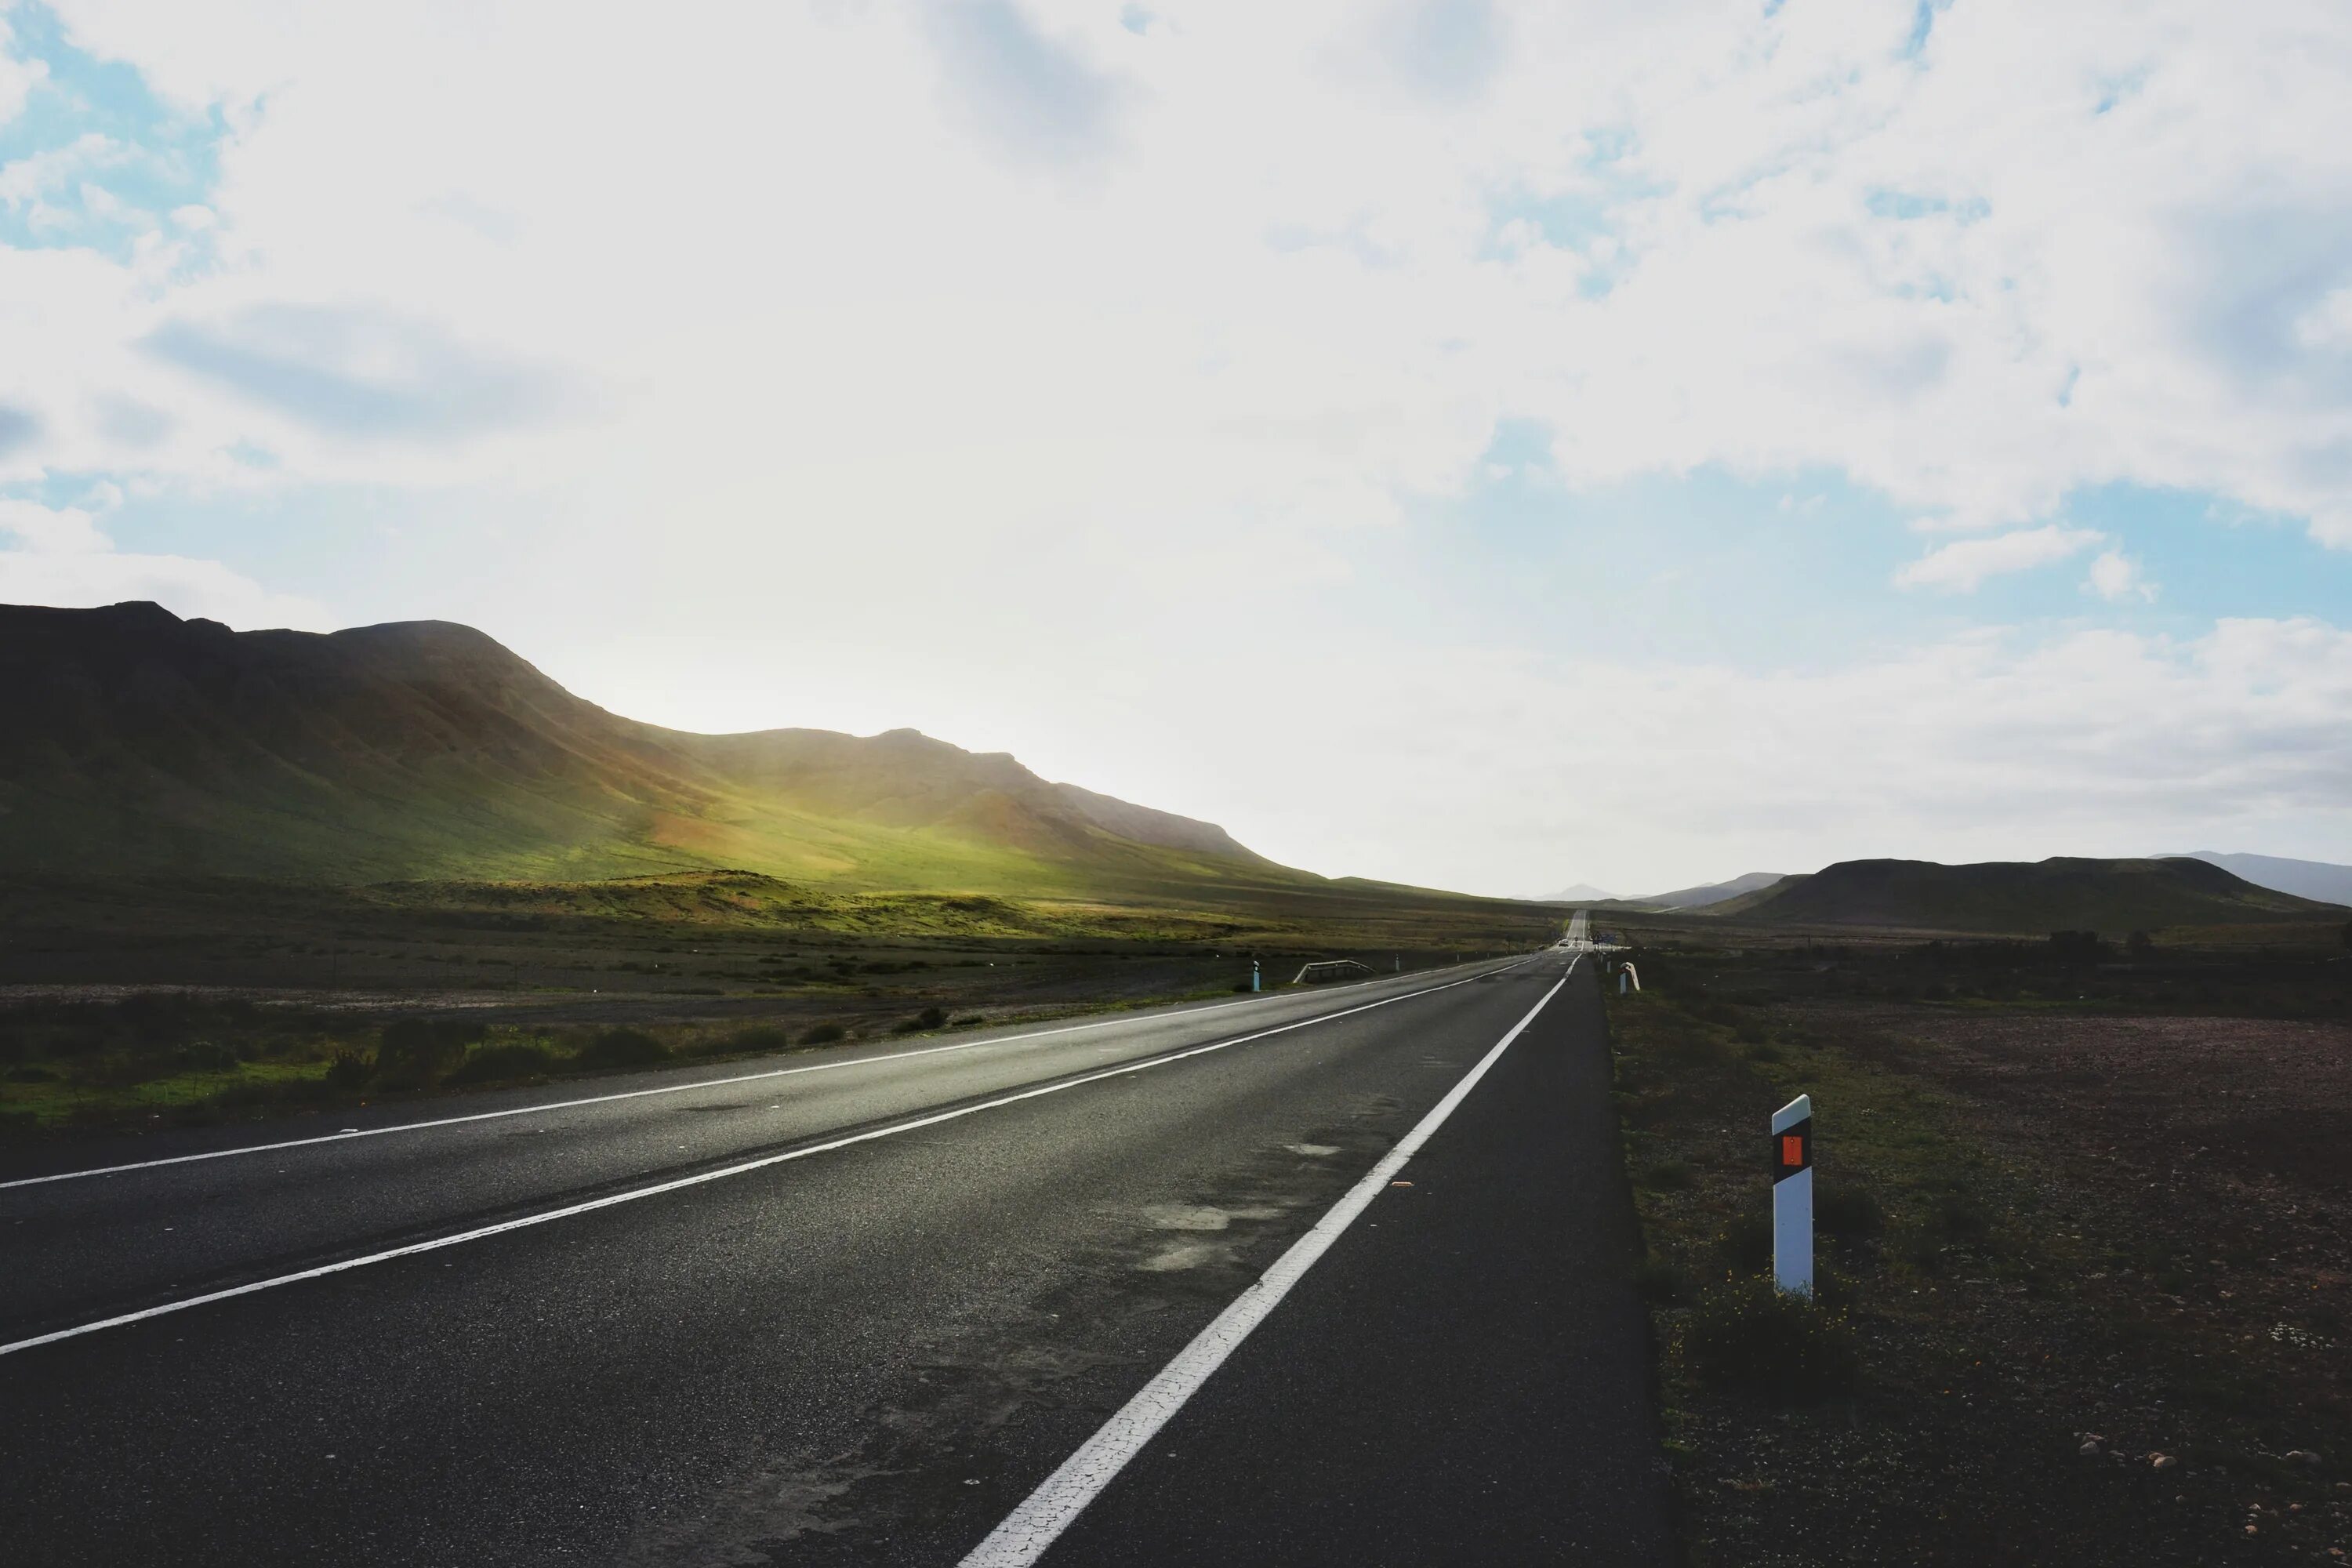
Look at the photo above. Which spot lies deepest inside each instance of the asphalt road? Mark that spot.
(859, 1314)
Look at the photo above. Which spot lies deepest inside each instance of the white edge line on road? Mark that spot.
(1033, 1527)
(631, 1094)
(611, 1200)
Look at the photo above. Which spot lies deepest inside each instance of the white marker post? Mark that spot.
(1792, 1196)
(1253, 980)
(1628, 973)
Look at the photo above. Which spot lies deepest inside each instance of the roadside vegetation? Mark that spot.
(128, 1005)
(2083, 1277)
(175, 1059)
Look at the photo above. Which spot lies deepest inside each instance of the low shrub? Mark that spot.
(348, 1070)
(929, 1018)
(968, 1021)
(1745, 1333)
(823, 1034)
(621, 1048)
(413, 1053)
(505, 1059)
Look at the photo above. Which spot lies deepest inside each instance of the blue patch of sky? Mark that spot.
(1035, 96)
(1611, 145)
(2215, 558)
(1923, 23)
(389, 552)
(1572, 222)
(1797, 571)
(1576, 220)
(105, 129)
(1906, 205)
(2118, 89)
(1136, 19)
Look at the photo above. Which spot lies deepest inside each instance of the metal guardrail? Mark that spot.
(1330, 969)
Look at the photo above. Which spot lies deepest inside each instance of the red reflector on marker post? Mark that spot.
(1792, 1196)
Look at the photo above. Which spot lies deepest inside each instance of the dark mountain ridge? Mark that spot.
(132, 741)
(2019, 898)
(2305, 879)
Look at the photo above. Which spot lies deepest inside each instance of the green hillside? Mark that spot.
(2018, 897)
(134, 742)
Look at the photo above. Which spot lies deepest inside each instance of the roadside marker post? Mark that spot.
(1792, 1196)
(1253, 979)
(1626, 973)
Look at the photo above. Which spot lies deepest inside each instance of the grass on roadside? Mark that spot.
(1956, 1355)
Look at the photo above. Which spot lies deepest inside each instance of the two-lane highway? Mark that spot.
(851, 1306)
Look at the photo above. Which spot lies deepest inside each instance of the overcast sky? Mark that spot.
(1478, 444)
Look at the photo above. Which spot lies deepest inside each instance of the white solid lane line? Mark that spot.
(1025, 1534)
(698, 1179)
(345, 1137)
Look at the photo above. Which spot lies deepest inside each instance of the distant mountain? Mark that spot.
(1709, 893)
(2304, 879)
(2113, 897)
(132, 741)
(1582, 893)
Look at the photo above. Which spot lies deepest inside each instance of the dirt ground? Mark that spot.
(2103, 1320)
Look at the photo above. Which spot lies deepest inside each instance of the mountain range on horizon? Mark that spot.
(2021, 897)
(134, 741)
(2317, 880)
(2313, 879)
(1680, 899)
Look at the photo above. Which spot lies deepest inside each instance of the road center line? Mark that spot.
(743, 1168)
(1033, 1527)
(346, 1137)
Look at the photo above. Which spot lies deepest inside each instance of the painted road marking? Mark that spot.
(346, 1134)
(1033, 1527)
(744, 1168)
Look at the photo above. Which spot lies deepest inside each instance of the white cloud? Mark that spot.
(1963, 565)
(1974, 278)
(18, 76)
(2116, 576)
(2328, 323)
(1149, 350)
(63, 559)
(1976, 748)
(66, 531)
(25, 181)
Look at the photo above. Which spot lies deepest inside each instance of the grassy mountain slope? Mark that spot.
(132, 741)
(2018, 897)
(2305, 879)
